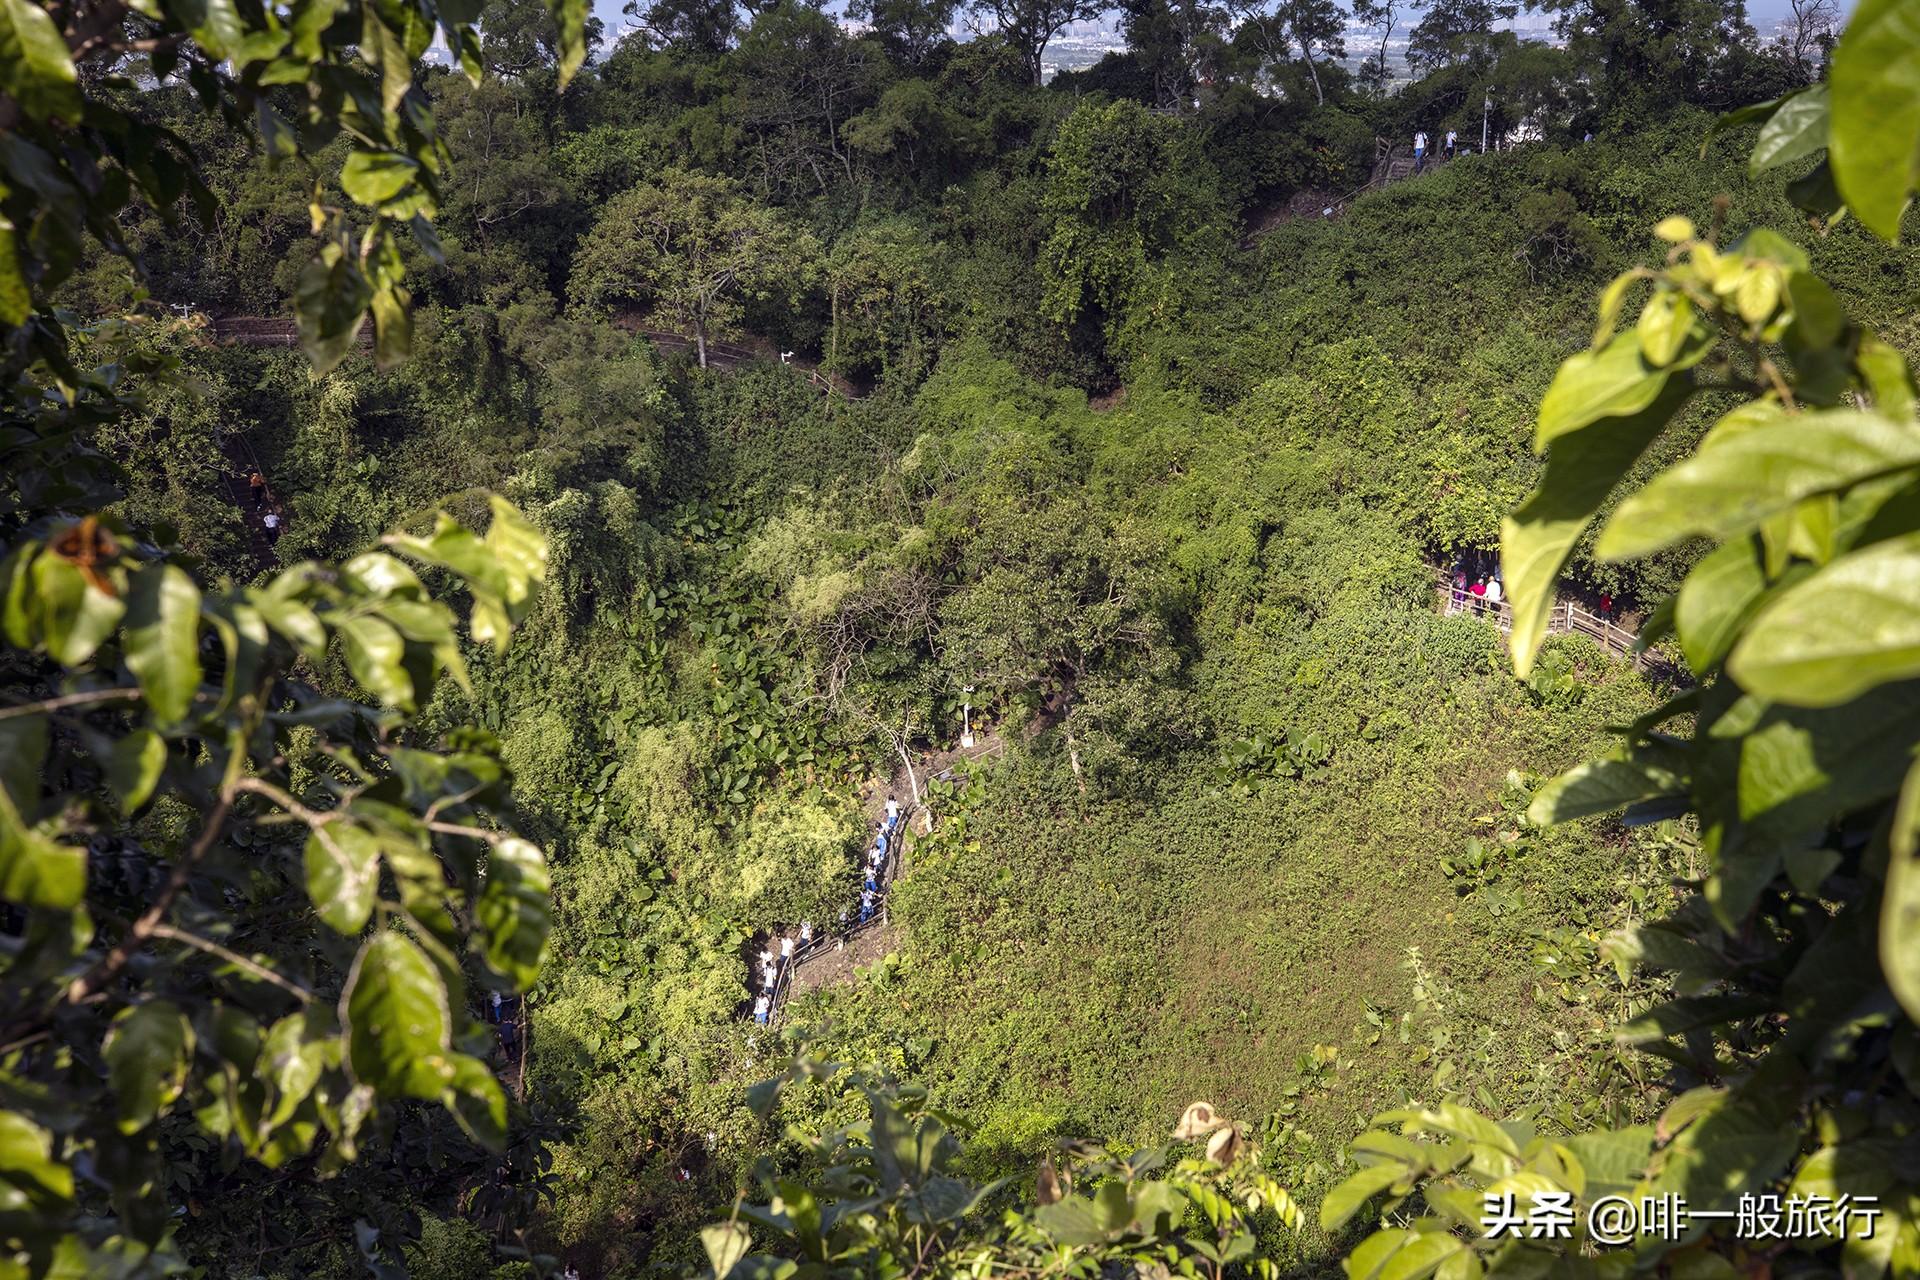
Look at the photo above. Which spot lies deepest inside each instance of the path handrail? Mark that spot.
(1565, 617)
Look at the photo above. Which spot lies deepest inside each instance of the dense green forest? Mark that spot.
(824, 383)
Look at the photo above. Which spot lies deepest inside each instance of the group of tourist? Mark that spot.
(782, 950)
(1420, 147)
(1481, 594)
(266, 505)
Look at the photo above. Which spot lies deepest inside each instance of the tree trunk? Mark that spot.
(700, 340)
(1319, 96)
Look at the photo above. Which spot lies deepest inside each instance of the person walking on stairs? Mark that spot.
(1419, 150)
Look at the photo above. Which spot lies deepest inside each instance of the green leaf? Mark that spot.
(1613, 382)
(1600, 786)
(23, 749)
(75, 615)
(1874, 143)
(396, 1013)
(375, 177)
(215, 24)
(514, 911)
(29, 1175)
(343, 873)
(380, 575)
(1747, 477)
(1888, 379)
(374, 652)
(1612, 1159)
(297, 623)
(330, 299)
(293, 1057)
(1373, 1254)
(392, 326)
(311, 18)
(35, 68)
(1758, 112)
(34, 870)
(162, 639)
(726, 1244)
(1796, 130)
(474, 1096)
(147, 1051)
(1848, 628)
(1817, 316)
(570, 20)
(521, 551)
(1351, 1195)
(1716, 600)
(1666, 322)
(1585, 463)
(133, 768)
(1900, 907)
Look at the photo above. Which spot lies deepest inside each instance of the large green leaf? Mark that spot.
(133, 768)
(162, 639)
(374, 177)
(147, 1050)
(35, 870)
(1796, 130)
(1851, 626)
(1350, 1195)
(1715, 600)
(1582, 468)
(1600, 786)
(514, 912)
(1613, 382)
(396, 1013)
(329, 300)
(473, 1094)
(1874, 142)
(75, 614)
(29, 1175)
(343, 873)
(374, 652)
(35, 68)
(1748, 476)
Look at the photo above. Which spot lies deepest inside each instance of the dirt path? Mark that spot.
(837, 967)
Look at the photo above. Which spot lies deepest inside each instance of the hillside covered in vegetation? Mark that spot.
(827, 388)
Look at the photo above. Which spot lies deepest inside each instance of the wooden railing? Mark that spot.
(1566, 617)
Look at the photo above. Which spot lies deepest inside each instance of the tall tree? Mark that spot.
(1382, 15)
(1168, 39)
(1315, 26)
(1454, 31)
(1030, 25)
(1649, 53)
(698, 28)
(910, 30)
(689, 246)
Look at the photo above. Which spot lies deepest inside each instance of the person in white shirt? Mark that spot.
(760, 1007)
(1452, 137)
(806, 932)
(893, 808)
(1419, 149)
(786, 950)
(1493, 593)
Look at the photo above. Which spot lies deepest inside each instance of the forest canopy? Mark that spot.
(783, 643)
